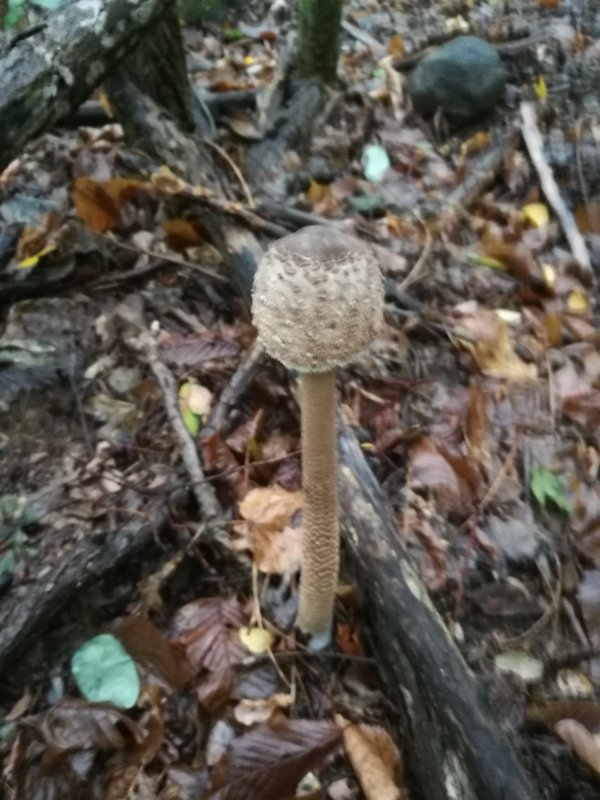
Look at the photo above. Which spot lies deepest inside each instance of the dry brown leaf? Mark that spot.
(453, 481)
(98, 202)
(208, 629)
(586, 745)
(492, 349)
(267, 530)
(374, 758)
(162, 664)
(181, 234)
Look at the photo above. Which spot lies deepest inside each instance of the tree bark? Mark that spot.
(49, 73)
(156, 68)
(455, 748)
(319, 39)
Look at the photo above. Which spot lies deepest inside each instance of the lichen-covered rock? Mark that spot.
(465, 78)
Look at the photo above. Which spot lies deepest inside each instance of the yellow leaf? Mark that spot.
(33, 260)
(257, 640)
(577, 302)
(540, 88)
(549, 274)
(191, 420)
(537, 214)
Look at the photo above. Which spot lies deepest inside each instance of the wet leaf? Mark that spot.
(105, 672)
(270, 760)
(214, 690)
(546, 486)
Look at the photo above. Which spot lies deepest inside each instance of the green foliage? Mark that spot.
(546, 486)
(105, 672)
(375, 161)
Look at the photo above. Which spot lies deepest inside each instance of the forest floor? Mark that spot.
(478, 410)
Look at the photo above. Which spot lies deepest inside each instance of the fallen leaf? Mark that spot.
(493, 350)
(267, 529)
(374, 758)
(208, 630)
(452, 480)
(98, 202)
(584, 744)
(536, 214)
(256, 640)
(587, 217)
(270, 761)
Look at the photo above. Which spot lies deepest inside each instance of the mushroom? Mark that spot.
(317, 303)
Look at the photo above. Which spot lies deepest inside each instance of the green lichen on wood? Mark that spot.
(319, 39)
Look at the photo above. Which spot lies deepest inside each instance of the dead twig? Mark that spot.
(204, 492)
(535, 147)
(236, 171)
(231, 394)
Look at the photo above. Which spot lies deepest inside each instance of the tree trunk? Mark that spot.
(319, 39)
(49, 72)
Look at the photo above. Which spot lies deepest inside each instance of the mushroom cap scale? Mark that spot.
(318, 299)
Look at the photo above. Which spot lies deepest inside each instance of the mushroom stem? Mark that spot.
(320, 552)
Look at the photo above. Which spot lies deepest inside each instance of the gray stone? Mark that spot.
(465, 78)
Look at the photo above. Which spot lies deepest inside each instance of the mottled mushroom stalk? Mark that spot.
(317, 304)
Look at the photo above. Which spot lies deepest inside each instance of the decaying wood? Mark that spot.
(23, 616)
(455, 748)
(47, 75)
(157, 69)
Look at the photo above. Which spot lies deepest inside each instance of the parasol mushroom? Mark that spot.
(317, 303)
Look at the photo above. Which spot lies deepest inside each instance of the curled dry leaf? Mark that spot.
(374, 758)
(267, 529)
(492, 350)
(586, 745)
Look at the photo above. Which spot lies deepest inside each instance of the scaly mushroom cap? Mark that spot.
(318, 300)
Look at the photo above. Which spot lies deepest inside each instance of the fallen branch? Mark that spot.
(455, 747)
(535, 146)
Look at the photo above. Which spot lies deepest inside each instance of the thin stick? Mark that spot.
(535, 146)
(236, 171)
(203, 491)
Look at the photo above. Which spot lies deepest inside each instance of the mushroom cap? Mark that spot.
(318, 299)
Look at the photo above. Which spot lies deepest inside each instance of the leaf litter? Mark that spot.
(483, 432)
